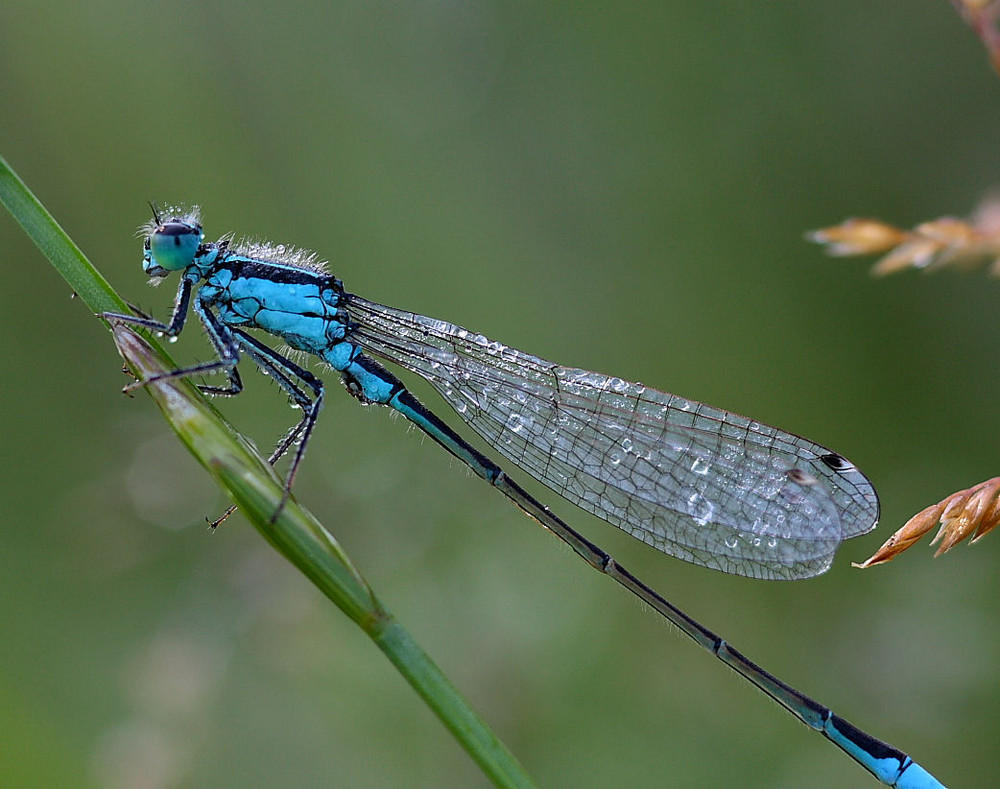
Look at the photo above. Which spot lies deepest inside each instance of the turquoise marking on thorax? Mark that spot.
(290, 298)
(306, 313)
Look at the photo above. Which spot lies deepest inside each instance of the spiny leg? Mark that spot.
(177, 317)
(284, 372)
(219, 335)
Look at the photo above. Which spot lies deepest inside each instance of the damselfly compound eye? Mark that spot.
(172, 246)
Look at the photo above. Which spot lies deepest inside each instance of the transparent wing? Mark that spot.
(693, 481)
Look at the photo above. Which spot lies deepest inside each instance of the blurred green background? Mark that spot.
(618, 187)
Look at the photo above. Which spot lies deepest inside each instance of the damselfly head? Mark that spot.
(171, 241)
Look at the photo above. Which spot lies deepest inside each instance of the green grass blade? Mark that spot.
(255, 488)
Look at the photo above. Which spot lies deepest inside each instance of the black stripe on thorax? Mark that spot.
(247, 268)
